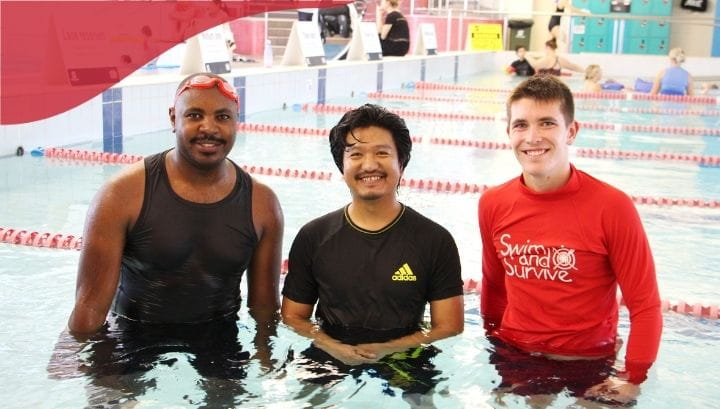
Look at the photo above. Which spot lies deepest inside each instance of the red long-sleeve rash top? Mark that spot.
(551, 266)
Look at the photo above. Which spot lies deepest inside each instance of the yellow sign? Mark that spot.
(484, 37)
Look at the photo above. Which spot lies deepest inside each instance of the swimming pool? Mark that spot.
(43, 195)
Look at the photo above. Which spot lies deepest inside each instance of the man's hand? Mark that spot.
(347, 354)
(615, 390)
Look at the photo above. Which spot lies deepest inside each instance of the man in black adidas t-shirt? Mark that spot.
(373, 265)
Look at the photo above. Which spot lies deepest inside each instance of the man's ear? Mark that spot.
(171, 113)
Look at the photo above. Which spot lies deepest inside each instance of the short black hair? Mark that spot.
(370, 115)
(519, 47)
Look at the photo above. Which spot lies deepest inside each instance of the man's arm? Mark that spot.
(297, 316)
(106, 226)
(263, 278)
(264, 271)
(493, 298)
(690, 86)
(446, 320)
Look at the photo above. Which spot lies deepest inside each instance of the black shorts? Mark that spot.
(526, 374)
(411, 371)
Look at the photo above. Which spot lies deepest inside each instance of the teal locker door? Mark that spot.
(635, 45)
(660, 7)
(637, 28)
(658, 46)
(599, 6)
(641, 7)
(579, 43)
(599, 26)
(598, 44)
(581, 4)
(659, 29)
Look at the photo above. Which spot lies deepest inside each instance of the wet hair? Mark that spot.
(393, 3)
(592, 71)
(677, 54)
(545, 88)
(552, 43)
(370, 115)
(519, 47)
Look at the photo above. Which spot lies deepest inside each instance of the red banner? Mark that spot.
(55, 55)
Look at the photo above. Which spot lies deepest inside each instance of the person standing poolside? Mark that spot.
(372, 266)
(674, 80)
(557, 243)
(167, 241)
(393, 28)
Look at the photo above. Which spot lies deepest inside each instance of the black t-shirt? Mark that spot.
(399, 29)
(372, 286)
(523, 68)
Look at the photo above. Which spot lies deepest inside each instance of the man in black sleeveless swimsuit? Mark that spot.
(372, 266)
(165, 246)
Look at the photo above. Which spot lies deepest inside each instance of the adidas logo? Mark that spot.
(404, 274)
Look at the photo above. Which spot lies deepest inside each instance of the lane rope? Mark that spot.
(452, 116)
(603, 108)
(692, 99)
(427, 185)
(698, 310)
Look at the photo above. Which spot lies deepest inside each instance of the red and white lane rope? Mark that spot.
(428, 185)
(40, 239)
(584, 152)
(681, 307)
(451, 116)
(600, 153)
(603, 108)
(692, 99)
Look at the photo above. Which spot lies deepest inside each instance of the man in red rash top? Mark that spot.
(556, 244)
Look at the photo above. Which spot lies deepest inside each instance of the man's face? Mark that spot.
(540, 138)
(370, 167)
(205, 123)
(521, 53)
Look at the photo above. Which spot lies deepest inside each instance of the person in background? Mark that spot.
(558, 26)
(165, 246)
(593, 75)
(674, 80)
(557, 244)
(369, 269)
(392, 28)
(521, 66)
(551, 63)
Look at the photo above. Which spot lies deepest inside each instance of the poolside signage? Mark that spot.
(426, 43)
(304, 45)
(365, 44)
(484, 37)
(207, 52)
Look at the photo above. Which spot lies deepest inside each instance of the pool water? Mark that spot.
(38, 284)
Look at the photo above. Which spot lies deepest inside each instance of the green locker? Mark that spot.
(659, 29)
(599, 6)
(642, 7)
(635, 45)
(598, 26)
(660, 7)
(579, 44)
(637, 28)
(598, 44)
(658, 46)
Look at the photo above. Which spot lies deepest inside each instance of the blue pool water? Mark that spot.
(38, 284)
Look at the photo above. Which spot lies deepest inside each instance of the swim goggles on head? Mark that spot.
(205, 82)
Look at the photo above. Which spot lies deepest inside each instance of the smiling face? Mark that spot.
(540, 138)
(370, 164)
(204, 122)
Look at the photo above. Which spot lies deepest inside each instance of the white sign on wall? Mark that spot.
(304, 45)
(426, 43)
(365, 43)
(206, 52)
